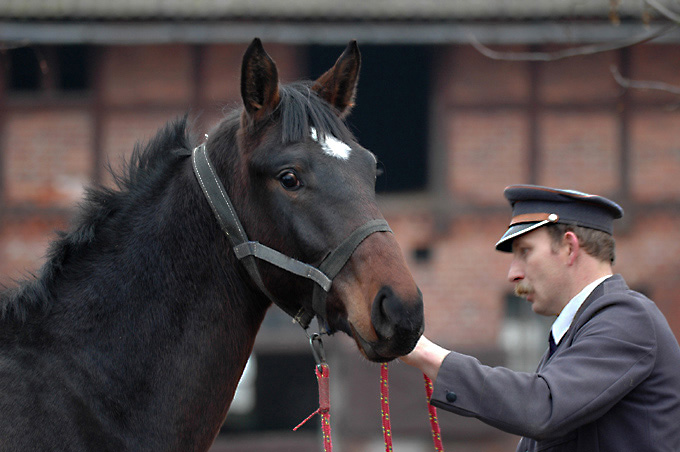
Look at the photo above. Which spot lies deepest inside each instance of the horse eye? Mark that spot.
(289, 180)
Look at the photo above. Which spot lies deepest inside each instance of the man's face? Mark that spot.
(539, 272)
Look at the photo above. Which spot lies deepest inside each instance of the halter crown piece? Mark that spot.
(246, 251)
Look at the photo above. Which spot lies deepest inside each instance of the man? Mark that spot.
(610, 380)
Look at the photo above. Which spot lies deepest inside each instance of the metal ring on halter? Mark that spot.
(317, 349)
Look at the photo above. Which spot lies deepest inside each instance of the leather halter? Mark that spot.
(246, 251)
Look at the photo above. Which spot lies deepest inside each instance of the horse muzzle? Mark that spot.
(398, 324)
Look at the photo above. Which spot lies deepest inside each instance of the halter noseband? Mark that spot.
(246, 251)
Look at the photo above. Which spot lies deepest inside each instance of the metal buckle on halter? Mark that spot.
(303, 317)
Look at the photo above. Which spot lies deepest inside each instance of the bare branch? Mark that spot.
(639, 84)
(568, 53)
(667, 13)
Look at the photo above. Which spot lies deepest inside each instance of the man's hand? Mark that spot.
(426, 356)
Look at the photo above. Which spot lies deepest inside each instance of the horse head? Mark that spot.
(301, 184)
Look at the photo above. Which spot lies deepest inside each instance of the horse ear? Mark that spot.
(338, 85)
(259, 81)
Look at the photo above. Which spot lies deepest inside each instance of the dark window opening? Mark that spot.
(35, 69)
(25, 72)
(391, 113)
(74, 74)
(283, 391)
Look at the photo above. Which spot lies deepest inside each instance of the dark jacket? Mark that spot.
(613, 385)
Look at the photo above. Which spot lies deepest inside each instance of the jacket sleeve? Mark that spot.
(612, 351)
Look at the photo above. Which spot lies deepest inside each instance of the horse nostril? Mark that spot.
(382, 312)
(391, 315)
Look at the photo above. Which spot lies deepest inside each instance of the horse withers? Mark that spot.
(135, 331)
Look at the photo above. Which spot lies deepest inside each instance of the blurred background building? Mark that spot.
(82, 80)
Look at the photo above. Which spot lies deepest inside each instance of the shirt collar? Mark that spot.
(563, 321)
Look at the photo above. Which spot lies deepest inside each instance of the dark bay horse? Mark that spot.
(134, 333)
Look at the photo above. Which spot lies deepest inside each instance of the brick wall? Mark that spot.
(655, 155)
(45, 166)
(137, 75)
(488, 151)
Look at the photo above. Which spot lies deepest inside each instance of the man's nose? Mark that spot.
(515, 273)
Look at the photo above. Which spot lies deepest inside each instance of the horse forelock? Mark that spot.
(301, 109)
(146, 166)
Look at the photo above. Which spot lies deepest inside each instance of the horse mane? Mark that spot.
(145, 167)
(300, 108)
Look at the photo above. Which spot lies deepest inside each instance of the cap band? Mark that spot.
(534, 217)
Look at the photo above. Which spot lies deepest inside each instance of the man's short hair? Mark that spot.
(596, 243)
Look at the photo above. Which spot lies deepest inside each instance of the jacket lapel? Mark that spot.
(614, 283)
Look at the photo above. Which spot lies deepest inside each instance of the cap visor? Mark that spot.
(505, 243)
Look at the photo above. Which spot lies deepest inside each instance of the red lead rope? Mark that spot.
(385, 409)
(434, 422)
(324, 410)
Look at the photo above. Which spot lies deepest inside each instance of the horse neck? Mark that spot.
(170, 306)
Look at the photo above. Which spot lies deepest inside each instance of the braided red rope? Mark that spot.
(324, 410)
(434, 422)
(322, 377)
(385, 408)
(385, 411)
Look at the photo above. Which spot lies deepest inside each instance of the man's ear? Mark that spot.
(572, 244)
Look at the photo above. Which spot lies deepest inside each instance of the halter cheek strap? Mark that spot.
(228, 220)
(246, 251)
(334, 262)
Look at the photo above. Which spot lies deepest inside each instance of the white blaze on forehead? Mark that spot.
(331, 145)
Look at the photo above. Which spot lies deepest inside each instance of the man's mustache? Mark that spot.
(522, 289)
